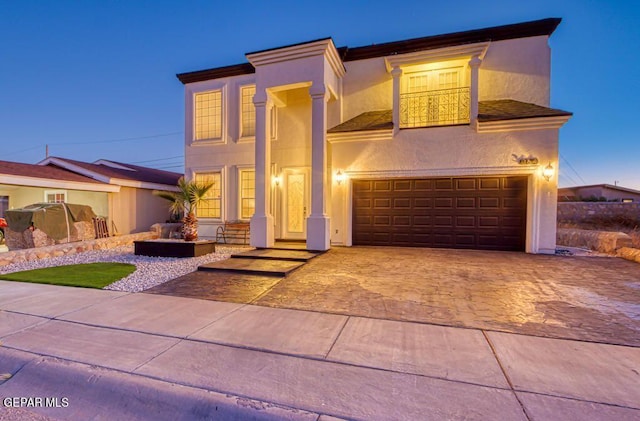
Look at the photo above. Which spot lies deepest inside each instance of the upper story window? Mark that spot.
(208, 115)
(55, 196)
(433, 96)
(247, 111)
(211, 206)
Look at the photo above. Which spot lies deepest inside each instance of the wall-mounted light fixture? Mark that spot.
(548, 172)
(339, 177)
(276, 179)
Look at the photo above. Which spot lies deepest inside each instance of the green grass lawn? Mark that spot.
(89, 275)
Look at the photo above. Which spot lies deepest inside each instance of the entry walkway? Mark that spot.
(143, 356)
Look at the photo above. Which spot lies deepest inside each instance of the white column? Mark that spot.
(318, 227)
(262, 223)
(474, 64)
(396, 73)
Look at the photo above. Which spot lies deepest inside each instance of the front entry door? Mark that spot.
(295, 203)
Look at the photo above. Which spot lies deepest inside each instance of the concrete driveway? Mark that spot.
(586, 298)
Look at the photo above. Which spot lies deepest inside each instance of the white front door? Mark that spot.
(295, 203)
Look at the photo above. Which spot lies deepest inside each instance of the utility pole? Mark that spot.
(46, 151)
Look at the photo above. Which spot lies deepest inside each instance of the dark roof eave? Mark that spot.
(496, 33)
(217, 73)
(484, 119)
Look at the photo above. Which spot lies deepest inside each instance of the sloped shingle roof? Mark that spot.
(134, 173)
(509, 109)
(40, 171)
(497, 110)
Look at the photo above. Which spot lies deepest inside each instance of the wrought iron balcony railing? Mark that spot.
(434, 108)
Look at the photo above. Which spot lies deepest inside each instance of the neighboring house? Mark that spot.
(120, 192)
(606, 192)
(439, 141)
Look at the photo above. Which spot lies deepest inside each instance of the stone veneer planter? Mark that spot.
(19, 256)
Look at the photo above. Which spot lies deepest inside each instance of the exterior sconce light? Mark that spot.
(276, 180)
(339, 177)
(548, 172)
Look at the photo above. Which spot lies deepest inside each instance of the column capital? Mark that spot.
(396, 72)
(475, 62)
(319, 91)
(260, 98)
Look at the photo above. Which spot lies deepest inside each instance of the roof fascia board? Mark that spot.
(112, 165)
(56, 184)
(478, 49)
(360, 135)
(532, 123)
(75, 168)
(143, 185)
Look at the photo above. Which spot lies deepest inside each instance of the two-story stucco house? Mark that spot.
(442, 141)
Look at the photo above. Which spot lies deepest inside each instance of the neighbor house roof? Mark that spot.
(497, 110)
(604, 186)
(39, 171)
(496, 33)
(118, 170)
(33, 175)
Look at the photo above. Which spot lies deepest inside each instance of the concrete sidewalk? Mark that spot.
(120, 355)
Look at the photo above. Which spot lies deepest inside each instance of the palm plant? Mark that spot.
(186, 200)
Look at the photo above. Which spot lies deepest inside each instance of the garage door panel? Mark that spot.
(422, 203)
(382, 186)
(489, 184)
(382, 220)
(465, 212)
(402, 203)
(402, 221)
(443, 203)
(465, 202)
(466, 184)
(423, 185)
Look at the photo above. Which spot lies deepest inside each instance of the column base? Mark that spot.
(318, 233)
(262, 231)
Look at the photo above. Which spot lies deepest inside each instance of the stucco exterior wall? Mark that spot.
(135, 210)
(367, 86)
(517, 69)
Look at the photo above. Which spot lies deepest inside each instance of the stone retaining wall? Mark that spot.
(17, 256)
(576, 212)
(629, 253)
(602, 241)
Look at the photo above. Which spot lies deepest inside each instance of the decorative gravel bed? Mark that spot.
(150, 271)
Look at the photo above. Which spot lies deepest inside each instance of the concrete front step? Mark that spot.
(277, 254)
(253, 266)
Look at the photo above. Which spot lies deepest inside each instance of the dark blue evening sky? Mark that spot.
(96, 79)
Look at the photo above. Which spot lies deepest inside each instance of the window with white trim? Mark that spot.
(55, 196)
(247, 111)
(208, 115)
(247, 186)
(211, 205)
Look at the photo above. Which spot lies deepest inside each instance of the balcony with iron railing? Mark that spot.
(441, 107)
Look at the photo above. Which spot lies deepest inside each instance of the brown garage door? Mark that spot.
(487, 213)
